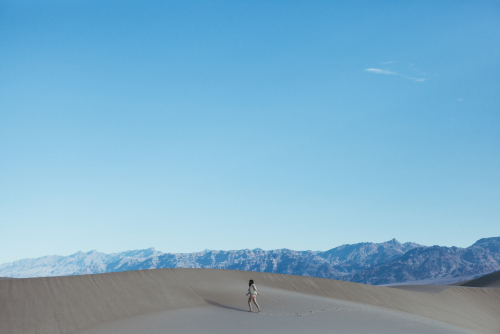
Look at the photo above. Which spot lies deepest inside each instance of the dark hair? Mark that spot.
(250, 283)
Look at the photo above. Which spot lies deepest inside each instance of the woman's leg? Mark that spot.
(250, 302)
(255, 301)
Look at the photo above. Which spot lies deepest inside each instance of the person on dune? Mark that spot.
(252, 291)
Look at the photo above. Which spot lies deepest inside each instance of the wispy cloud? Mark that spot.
(379, 71)
(415, 75)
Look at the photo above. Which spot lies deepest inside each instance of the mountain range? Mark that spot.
(371, 263)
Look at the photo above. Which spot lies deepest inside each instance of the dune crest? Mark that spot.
(487, 281)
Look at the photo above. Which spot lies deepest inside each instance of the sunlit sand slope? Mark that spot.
(213, 301)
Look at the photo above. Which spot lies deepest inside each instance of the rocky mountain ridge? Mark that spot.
(371, 263)
(483, 257)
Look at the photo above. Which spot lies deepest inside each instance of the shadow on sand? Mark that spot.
(211, 302)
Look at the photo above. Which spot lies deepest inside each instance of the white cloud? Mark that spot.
(379, 71)
(417, 78)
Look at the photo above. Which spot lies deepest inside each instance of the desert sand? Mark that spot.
(488, 281)
(213, 301)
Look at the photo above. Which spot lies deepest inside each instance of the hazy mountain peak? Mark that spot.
(493, 240)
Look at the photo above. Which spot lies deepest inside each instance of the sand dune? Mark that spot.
(488, 281)
(213, 301)
(422, 288)
(437, 281)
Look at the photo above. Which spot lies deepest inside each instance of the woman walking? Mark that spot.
(252, 291)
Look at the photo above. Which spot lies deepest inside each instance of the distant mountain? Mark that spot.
(352, 258)
(80, 263)
(483, 257)
(371, 263)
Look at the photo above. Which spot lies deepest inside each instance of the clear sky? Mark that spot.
(187, 125)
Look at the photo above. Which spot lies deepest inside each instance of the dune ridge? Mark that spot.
(67, 304)
(487, 281)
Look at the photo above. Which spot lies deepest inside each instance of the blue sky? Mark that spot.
(186, 125)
